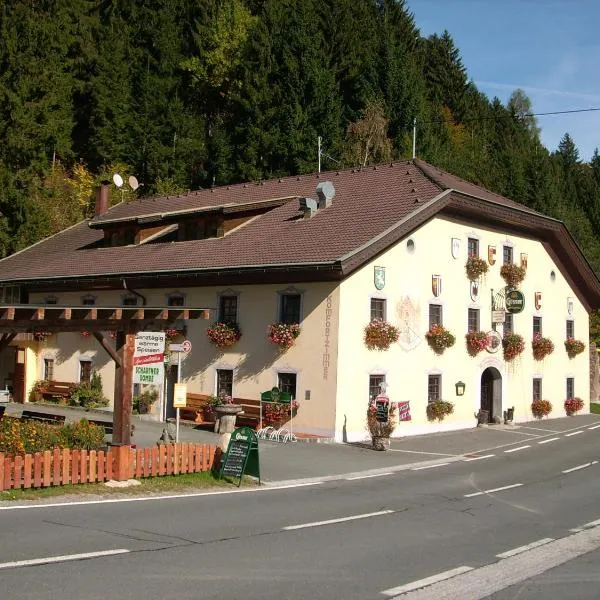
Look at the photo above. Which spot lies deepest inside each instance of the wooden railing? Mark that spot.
(66, 467)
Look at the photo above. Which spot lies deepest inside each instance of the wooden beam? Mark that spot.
(103, 340)
(6, 339)
(123, 391)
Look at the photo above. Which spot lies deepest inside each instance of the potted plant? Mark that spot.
(213, 401)
(513, 344)
(475, 267)
(223, 334)
(476, 342)
(573, 347)
(541, 346)
(573, 405)
(541, 408)
(512, 274)
(380, 432)
(143, 402)
(439, 339)
(438, 409)
(380, 334)
(283, 334)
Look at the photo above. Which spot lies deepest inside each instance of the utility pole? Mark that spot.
(319, 153)
(414, 152)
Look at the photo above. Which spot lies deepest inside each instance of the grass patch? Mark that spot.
(152, 485)
(595, 408)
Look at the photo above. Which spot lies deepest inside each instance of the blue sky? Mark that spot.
(549, 48)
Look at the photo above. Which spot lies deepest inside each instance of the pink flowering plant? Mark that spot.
(439, 339)
(223, 334)
(541, 346)
(283, 334)
(275, 413)
(476, 342)
(573, 405)
(512, 274)
(380, 335)
(573, 347)
(513, 344)
(475, 267)
(541, 408)
(171, 333)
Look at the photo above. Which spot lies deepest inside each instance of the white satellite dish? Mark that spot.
(118, 180)
(133, 183)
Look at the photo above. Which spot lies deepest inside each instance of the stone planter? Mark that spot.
(226, 415)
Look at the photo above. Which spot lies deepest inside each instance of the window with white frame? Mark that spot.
(224, 382)
(570, 387)
(537, 325)
(289, 308)
(286, 382)
(85, 370)
(570, 328)
(228, 307)
(434, 388)
(375, 385)
(537, 388)
(435, 315)
(473, 320)
(507, 255)
(378, 308)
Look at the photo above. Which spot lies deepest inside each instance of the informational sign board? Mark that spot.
(148, 358)
(180, 395)
(242, 455)
(404, 411)
(498, 316)
(382, 407)
(514, 301)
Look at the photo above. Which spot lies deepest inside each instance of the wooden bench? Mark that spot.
(57, 389)
(194, 411)
(108, 426)
(250, 415)
(32, 415)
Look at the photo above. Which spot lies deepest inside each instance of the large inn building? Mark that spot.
(331, 252)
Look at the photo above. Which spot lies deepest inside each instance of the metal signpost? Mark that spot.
(185, 346)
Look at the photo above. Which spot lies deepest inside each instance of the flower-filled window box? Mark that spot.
(171, 333)
(277, 413)
(475, 267)
(223, 334)
(41, 336)
(512, 274)
(438, 409)
(439, 339)
(85, 334)
(541, 408)
(573, 405)
(574, 347)
(476, 342)
(283, 334)
(380, 335)
(541, 347)
(513, 344)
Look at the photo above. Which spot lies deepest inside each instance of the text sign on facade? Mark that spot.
(148, 358)
(498, 316)
(514, 301)
(180, 395)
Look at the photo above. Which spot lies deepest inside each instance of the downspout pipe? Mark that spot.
(135, 293)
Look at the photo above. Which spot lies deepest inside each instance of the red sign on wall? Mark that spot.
(404, 411)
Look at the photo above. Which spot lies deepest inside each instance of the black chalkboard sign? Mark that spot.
(242, 455)
(382, 407)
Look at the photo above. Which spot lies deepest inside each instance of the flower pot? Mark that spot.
(380, 443)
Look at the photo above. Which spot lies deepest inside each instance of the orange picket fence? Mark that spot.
(65, 467)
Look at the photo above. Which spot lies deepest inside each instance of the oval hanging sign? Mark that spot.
(514, 301)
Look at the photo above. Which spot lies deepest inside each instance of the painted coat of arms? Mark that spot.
(492, 255)
(538, 300)
(524, 260)
(379, 277)
(455, 247)
(474, 290)
(436, 285)
(570, 305)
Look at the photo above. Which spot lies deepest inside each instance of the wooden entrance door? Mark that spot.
(487, 393)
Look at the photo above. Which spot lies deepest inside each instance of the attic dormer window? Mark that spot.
(88, 300)
(199, 229)
(121, 237)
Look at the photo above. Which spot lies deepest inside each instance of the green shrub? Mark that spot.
(142, 402)
(87, 396)
(82, 435)
(35, 395)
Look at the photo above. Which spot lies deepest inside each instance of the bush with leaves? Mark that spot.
(143, 401)
(81, 435)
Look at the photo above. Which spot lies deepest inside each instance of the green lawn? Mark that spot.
(595, 408)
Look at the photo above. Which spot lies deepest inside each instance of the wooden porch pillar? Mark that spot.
(123, 389)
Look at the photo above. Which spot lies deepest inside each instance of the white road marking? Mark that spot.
(538, 429)
(579, 467)
(415, 585)
(548, 440)
(429, 467)
(367, 476)
(479, 457)
(341, 520)
(522, 549)
(500, 489)
(419, 452)
(594, 427)
(574, 433)
(58, 559)
(517, 449)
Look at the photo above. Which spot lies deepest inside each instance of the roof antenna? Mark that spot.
(321, 153)
(414, 138)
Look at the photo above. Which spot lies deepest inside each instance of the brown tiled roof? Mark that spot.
(372, 207)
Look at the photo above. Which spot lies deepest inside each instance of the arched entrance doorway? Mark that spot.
(491, 394)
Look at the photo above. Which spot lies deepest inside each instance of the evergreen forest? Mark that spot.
(188, 94)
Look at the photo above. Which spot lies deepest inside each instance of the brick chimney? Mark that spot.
(101, 198)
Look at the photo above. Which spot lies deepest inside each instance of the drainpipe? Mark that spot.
(144, 301)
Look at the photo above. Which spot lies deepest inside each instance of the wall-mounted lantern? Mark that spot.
(460, 388)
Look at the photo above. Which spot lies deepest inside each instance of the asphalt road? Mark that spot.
(514, 522)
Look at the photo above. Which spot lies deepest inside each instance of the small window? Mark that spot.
(378, 306)
(434, 388)
(193, 230)
(286, 382)
(537, 325)
(509, 325)
(375, 384)
(175, 300)
(224, 382)
(570, 328)
(537, 388)
(130, 301)
(85, 371)
(49, 369)
(50, 300)
(507, 255)
(570, 387)
(228, 309)
(473, 324)
(88, 300)
(473, 247)
(289, 308)
(435, 315)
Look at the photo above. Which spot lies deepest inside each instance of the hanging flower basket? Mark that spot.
(573, 347)
(477, 341)
(512, 274)
(439, 339)
(85, 334)
(41, 336)
(223, 334)
(541, 347)
(438, 409)
(171, 333)
(380, 335)
(283, 334)
(513, 344)
(541, 408)
(573, 405)
(475, 267)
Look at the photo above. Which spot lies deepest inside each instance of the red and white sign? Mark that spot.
(148, 358)
(404, 411)
(186, 346)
